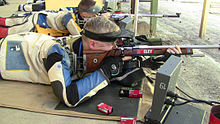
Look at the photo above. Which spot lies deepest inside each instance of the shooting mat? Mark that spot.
(40, 98)
(122, 106)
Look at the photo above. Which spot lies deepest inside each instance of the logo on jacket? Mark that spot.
(58, 66)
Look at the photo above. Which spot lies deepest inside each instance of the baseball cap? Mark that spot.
(94, 9)
(108, 37)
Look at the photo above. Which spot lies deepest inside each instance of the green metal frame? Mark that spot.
(153, 20)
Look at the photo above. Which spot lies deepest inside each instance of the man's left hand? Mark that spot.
(107, 15)
(174, 50)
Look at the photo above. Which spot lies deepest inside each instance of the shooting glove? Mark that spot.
(111, 66)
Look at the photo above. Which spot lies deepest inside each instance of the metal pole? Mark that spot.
(206, 7)
(153, 20)
(136, 16)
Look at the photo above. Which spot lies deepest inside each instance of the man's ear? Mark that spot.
(92, 44)
(83, 14)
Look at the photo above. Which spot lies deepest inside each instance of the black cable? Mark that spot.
(207, 102)
(175, 96)
(178, 104)
(215, 102)
(188, 101)
(184, 93)
(204, 101)
(183, 98)
(169, 102)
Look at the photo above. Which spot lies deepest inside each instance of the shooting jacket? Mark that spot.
(52, 23)
(38, 58)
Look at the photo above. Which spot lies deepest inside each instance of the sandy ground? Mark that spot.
(201, 73)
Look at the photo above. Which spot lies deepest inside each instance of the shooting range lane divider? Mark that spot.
(62, 112)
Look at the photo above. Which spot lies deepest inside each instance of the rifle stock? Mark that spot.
(94, 59)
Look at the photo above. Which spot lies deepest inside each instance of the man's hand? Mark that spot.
(107, 15)
(111, 66)
(174, 50)
(126, 58)
(155, 63)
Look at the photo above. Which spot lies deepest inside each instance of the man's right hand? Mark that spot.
(111, 66)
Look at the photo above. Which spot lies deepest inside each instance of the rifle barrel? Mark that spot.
(145, 15)
(170, 46)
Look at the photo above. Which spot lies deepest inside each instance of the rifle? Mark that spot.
(145, 15)
(93, 59)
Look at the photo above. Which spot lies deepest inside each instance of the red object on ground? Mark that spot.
(130, 93)
(128, 120)
(104, 108)
(135, 93)
(215, 115)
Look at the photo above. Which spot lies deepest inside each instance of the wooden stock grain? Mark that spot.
(94, 59)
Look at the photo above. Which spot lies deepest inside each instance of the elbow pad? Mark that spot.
(66, 18)
(71, 92)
